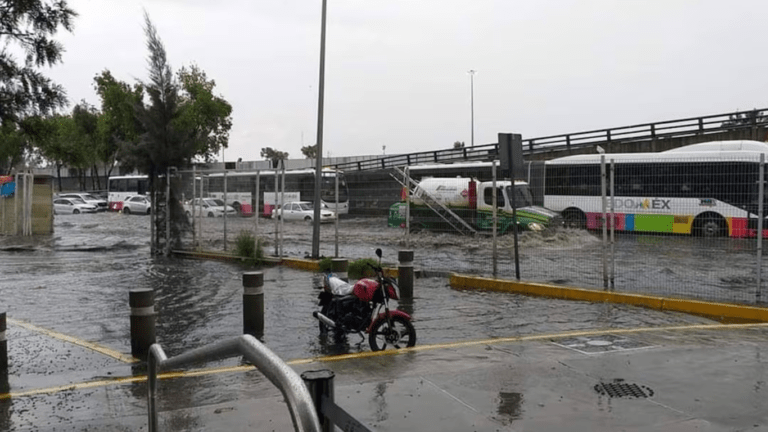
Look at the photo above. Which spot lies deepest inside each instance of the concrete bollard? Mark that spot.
(142, 302)
(320, 383)
(405, 273)
(339, 266)
(253, 304)
(3, 345)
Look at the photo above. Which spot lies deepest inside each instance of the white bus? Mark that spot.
(241, 187)
(120, 187)
(708, 189)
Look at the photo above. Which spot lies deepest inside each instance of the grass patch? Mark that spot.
(249, 249)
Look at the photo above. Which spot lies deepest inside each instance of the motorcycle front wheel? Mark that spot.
(400, 334)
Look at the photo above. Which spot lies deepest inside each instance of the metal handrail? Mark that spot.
(295, 393)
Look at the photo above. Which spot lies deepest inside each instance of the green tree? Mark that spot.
(29, 26)
(458, 144)
(207, 117)
(273, 155)
(12, 146)
(310, 152)
(119, 128)
(86, 119)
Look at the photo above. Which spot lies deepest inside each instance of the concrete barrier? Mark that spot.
(339, 266)
(142, 303)
(253, 304)
(405, 273)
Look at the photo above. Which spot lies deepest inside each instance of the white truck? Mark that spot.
(472, 201)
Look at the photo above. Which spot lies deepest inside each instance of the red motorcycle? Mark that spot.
(364, 307)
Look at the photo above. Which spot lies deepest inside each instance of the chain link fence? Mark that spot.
(685, 226)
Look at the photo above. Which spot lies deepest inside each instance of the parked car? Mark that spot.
(303, 211)
(101, 204)
(72, 206)
(138, 204)
(210, 207)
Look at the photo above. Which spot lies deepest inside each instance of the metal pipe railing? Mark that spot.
(295, 393)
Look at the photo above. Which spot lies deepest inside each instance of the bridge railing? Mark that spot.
(693, 126)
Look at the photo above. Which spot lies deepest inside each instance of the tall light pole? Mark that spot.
(472, 102)
(319, 158)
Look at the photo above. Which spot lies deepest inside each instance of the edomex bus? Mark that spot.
(708, 189)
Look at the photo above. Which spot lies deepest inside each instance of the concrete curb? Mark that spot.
(723, 312)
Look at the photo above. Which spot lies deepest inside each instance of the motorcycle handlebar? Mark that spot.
(376, 268)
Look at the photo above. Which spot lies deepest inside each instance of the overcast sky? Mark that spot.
(396, 70)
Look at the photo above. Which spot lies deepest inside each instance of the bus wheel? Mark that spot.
(709, 225)
(236, 206)
(574, 219)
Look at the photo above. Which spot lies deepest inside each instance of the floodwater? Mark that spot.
(77, 282)
(721, 269)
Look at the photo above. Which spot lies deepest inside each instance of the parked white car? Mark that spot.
(209, 207)
(303, 211)
(138, 204)
(72, 206)
(101, 204)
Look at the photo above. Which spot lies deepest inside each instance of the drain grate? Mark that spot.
(621, 389)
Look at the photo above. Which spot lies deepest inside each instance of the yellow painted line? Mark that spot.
(724, 312)
(66, 338)
(230, 369)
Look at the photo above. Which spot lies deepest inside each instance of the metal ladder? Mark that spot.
(444, 212)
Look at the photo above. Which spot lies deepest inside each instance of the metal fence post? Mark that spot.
(760, 209)
(253, 304)
(3, 345)
(142, 303)
(339, 266)
(405, 273)
(320, 384)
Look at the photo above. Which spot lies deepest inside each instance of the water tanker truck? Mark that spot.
(472, 202)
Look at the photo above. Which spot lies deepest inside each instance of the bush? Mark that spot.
(325, 264)
(247, 248)
(359, 269)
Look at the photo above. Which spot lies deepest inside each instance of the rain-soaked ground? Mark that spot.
(77, 281)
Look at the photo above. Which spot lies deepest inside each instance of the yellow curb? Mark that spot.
(729, 313)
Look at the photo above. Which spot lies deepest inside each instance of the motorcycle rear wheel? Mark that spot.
(400, 335)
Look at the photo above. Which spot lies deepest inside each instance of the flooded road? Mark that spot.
(76, 283)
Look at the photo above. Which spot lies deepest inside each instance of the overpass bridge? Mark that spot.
(373, 190)
(646, 137)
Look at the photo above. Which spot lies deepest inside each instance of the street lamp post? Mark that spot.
(472, 103)
(319, 158)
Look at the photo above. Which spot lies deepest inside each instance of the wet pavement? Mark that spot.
(484, 361)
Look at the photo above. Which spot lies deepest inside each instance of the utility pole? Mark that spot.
(472, 103)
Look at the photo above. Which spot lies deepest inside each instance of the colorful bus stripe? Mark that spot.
(738, 227)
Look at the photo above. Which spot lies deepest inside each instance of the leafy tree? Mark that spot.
(458, 144)
(206, 116)
(28, 26)
(310, 152)
(86, 119)
(59, 141)
(12, 145)
(273, 155)
(118, 125)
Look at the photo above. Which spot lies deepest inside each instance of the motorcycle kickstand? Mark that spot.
(362, 338)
